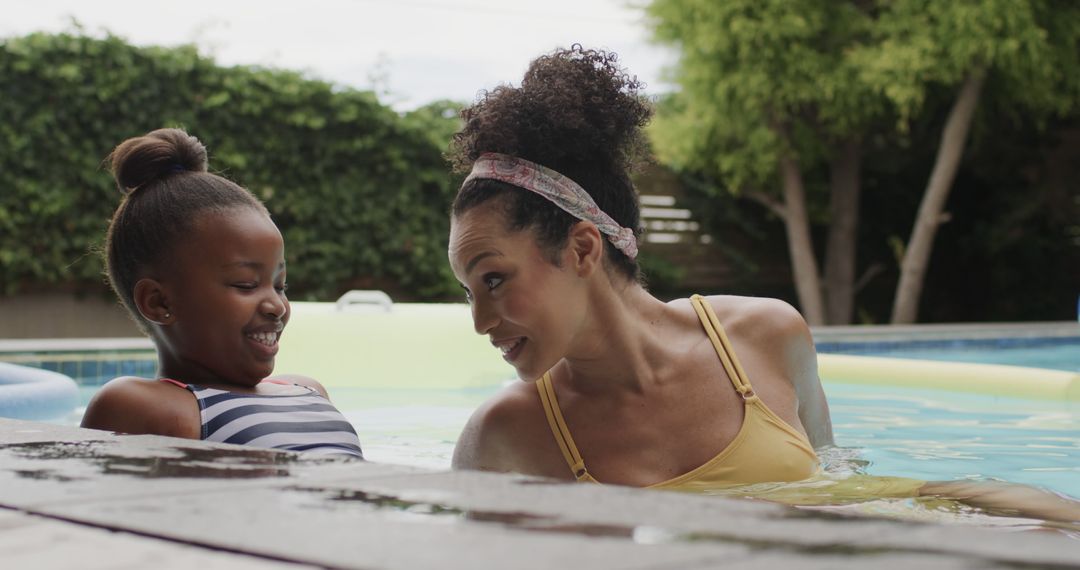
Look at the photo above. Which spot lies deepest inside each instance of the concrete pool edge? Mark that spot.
(361, 515)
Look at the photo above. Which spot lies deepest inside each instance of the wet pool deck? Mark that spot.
(88, 499)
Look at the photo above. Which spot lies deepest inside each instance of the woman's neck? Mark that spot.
(624, 338)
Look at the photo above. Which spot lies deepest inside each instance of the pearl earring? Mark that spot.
(167, 315)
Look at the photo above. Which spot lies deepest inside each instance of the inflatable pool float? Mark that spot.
(986, 379)
(35, 394)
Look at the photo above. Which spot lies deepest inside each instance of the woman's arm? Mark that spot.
(803, 370)
(1012, 499)
(784, 331)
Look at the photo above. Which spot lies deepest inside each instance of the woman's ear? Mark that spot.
(152, 301)
(586, 247)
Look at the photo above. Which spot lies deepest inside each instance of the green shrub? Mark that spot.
(359, 191)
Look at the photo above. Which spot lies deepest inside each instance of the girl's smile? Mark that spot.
(227, 294)
(267, 339)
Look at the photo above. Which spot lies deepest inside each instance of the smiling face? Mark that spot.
(225, 292)
(528, 307)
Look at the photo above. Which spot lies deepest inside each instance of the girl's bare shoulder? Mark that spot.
(129, 404)
(299, 380)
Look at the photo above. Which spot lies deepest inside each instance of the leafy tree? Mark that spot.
(774, 89)
(1028, 51)
(768, 91)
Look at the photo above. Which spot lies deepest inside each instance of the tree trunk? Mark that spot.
(917, 254)
(800, 244)
(841, 247)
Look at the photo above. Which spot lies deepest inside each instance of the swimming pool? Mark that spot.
(931, 435)
(413, 415)
(880, 430)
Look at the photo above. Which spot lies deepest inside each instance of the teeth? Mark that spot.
(506, 348)
(267, 338)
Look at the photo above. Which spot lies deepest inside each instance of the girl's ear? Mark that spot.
(586, 247)
(152, 301)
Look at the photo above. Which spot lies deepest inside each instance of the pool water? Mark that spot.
(1054, 353)
(934, 435)
(923, 434)
(883, 431)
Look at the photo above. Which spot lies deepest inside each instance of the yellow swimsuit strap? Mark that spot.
(723, 348)
(559, 428)
(720, 343)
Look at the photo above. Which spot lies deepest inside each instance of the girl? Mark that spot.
(200, 266)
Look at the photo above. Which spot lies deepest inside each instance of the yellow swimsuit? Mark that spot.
(766, 449)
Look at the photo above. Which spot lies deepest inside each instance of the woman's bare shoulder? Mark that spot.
(498, 432)
(762, 315)
(778, 332)
(770, 326)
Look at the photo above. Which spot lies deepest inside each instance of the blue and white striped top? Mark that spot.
(305, 422)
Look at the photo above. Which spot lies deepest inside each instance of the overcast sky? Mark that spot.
(412, 51)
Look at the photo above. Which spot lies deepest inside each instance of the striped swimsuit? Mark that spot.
(296, 422)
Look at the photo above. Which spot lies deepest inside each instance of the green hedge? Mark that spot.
(359, 191)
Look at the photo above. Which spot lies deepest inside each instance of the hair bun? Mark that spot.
(574, 105)
(157, 154)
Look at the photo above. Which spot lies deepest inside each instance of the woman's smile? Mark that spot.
(511, 348)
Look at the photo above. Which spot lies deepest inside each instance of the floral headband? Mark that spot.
(558, 189)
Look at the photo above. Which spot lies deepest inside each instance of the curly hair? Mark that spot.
(576, 112)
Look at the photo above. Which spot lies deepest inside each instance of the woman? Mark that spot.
(620, 387)
(695, 394)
